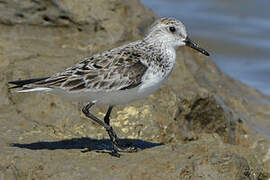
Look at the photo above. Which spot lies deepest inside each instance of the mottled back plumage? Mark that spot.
(112, 70)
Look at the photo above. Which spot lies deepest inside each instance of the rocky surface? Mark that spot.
(207, 158)
(201, 124)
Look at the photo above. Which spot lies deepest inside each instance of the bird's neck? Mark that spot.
(162, 53)
(159, 48)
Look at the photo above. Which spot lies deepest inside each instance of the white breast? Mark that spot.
(155, 77)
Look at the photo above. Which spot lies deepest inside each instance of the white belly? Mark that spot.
(111, 97)
(149, 84)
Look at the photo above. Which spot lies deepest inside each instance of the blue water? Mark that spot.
(236, 33)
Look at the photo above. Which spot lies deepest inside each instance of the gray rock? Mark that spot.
(207, 158)
(203, 116)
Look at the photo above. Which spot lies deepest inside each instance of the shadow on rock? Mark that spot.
(82, 143)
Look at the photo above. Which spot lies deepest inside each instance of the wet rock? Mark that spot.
(200, 124)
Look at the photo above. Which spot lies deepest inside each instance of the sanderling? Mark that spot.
(120, 75)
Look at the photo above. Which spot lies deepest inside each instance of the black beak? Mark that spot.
(195, 46)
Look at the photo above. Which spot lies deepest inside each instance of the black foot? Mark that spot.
(115, 153)
(129, 149)
(117, 146)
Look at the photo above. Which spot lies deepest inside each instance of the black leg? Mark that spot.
(114, 139)
(109, 129)
(106, 124)
(85, 110)
(107, 116)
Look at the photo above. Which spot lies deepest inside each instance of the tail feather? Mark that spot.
(21, 83)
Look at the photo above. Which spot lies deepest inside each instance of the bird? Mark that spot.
(118, 76)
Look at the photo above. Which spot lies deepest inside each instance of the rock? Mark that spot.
(207, 158)
(207, 120)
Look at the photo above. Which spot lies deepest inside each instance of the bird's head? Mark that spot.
(172, 32)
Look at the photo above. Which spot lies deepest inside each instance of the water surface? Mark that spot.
(236, 33)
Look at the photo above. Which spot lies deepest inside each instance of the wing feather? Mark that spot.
(117, 69)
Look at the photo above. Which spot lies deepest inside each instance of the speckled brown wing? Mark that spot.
(118, 69)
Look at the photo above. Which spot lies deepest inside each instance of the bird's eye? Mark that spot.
(172, 29)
